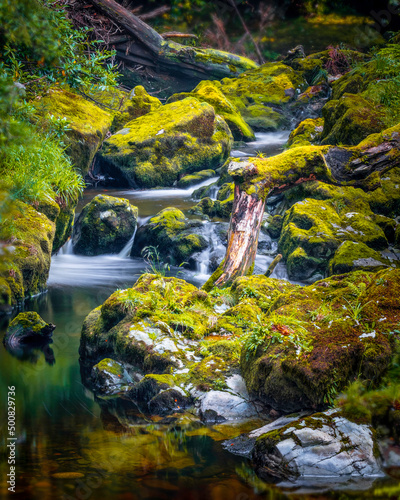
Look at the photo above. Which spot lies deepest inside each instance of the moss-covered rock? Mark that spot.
(315, 339)
(350, 119)
(28, 327)
(109, 376)
(352, 256)
(64, 223)
(87, 122)
(156, 149)
(105, 225)
(29, 235)
(306, 133)
(191, 180)
(207, 91)
(175, 237)
(262, 95)
(313, 231)
(214, 208)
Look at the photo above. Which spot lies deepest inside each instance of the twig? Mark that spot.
(260, 57)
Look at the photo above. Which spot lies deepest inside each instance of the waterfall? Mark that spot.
(126, 251)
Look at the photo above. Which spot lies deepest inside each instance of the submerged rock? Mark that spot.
(322, 445)
(28, 327)
(105, 225)
(156, 149)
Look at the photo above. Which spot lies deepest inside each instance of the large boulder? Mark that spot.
(207, 91)
(87, 124)
(105, 225)
(313, 230)
(350, 119)
(315, 340)
(175, 237)
(30, 234)
(156, 149)
(155, 329)
(263, 95)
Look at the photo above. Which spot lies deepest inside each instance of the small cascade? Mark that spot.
(214, 252)
(67, 248)
(213, 192)
(126, 251)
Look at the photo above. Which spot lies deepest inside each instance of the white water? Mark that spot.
(169, 192)
(126, 251)
(268, 143)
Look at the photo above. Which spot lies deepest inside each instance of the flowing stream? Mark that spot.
(72, 445)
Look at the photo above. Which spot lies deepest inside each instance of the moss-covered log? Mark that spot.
(148, 48)
(256, 178)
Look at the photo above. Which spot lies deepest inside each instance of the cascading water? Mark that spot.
(126, 251)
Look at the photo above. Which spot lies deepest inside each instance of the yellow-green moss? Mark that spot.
(306, 133)
(207, 91)
(88, 123)
(153, 150)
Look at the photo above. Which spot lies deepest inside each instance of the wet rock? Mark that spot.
(191, 180)
(28, 327)
(156, 149)
(109, 376)
(175, 237)
(323, 445)
(105, 225)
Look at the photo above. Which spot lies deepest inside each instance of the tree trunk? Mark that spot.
(247, 214)
(149, 48)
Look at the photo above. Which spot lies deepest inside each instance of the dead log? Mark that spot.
(256, 178)
(169, 56)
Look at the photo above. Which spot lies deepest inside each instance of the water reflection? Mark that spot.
(32, 353)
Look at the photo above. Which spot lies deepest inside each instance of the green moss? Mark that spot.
(209, 92)
(209, 373)
(110, 366)
(105, 225)
(87, 122)
(155, 149)
(172, 235)
(351, 256)
(350, 119)
(190, 180)
(214, 208)
(64, 223)
(30, 234)
(306, 133)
